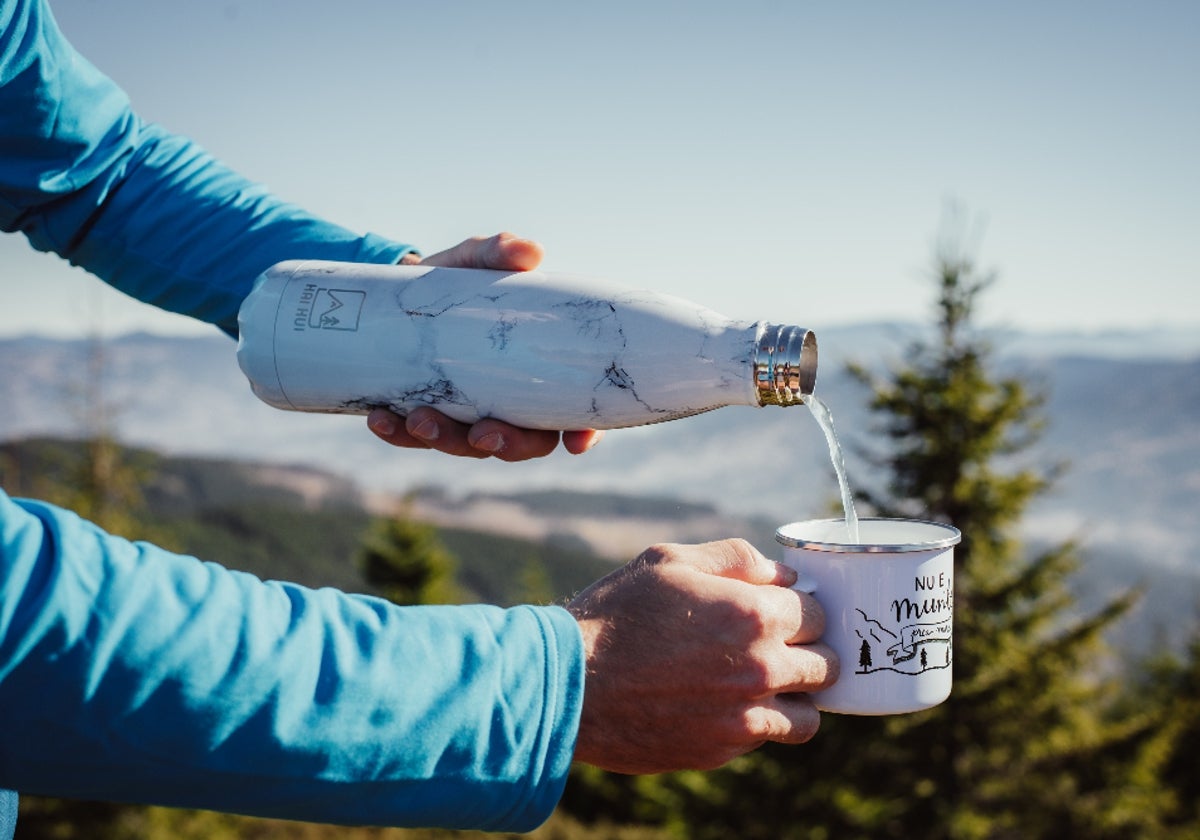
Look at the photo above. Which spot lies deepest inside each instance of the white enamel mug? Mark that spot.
(889, 609)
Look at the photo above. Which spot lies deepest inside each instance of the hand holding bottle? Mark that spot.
(697, 654)
(426, 428)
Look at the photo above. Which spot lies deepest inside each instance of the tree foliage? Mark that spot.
(1025, 746)
(406, 562)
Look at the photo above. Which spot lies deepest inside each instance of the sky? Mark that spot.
(788, 161)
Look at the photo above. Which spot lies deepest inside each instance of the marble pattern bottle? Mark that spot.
(536, 349)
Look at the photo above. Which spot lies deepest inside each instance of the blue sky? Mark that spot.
(788, 161)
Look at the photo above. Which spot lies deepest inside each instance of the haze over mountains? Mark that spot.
(1123, 411)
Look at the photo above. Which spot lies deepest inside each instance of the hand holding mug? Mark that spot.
(697, 654)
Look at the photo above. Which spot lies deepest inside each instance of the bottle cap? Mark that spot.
(785, 364)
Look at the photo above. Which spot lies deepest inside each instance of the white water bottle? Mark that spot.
(535, 349)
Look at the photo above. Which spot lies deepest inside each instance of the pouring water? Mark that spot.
(825, 420)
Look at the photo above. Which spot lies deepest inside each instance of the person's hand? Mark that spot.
(426, 428)
(695, 655)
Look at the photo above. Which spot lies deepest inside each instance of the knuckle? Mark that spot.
(657, 554)
(798, 668)
(833, 668)
(740, 546)
(820, 667)
(812, 617)
(739, 625)
(793, 719)
(779, 673)
(806, 720)
(763, 682)
(736, 553)
(758, 723)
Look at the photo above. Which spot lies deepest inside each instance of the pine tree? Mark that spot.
(1165, 762)
(97, 478)
(1022, 747)
(407, 563)
(1020, 739)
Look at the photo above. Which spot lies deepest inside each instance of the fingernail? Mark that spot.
(382, 425)
(427, 429)
(491, 442)
(785, 575)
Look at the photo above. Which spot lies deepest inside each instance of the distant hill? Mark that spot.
(1123, 413)
(299, 524)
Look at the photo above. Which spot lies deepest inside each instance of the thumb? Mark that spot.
(739, 560)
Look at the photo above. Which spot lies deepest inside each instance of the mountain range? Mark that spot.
(1122, 412)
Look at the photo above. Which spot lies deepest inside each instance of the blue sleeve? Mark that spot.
(145, 210)
(131, 674)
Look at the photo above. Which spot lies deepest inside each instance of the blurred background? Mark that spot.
(824, 165)
(766, 158)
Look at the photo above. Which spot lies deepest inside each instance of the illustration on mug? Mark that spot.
(914, 636)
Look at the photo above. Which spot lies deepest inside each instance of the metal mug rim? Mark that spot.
(951, 539)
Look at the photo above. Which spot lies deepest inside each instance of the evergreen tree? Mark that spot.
(1181, 705)
(97, 478)
(1165, 762)
(105, 485)
(407, 563)
(1022, 747)
(536, 586)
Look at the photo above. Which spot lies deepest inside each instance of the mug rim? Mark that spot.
(951, 538)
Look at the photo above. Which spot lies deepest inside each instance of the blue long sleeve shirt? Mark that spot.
(129, 673)
(145, 210)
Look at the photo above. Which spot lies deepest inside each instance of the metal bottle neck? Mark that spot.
(785, 364)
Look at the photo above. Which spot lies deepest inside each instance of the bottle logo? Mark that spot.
(336, 309)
